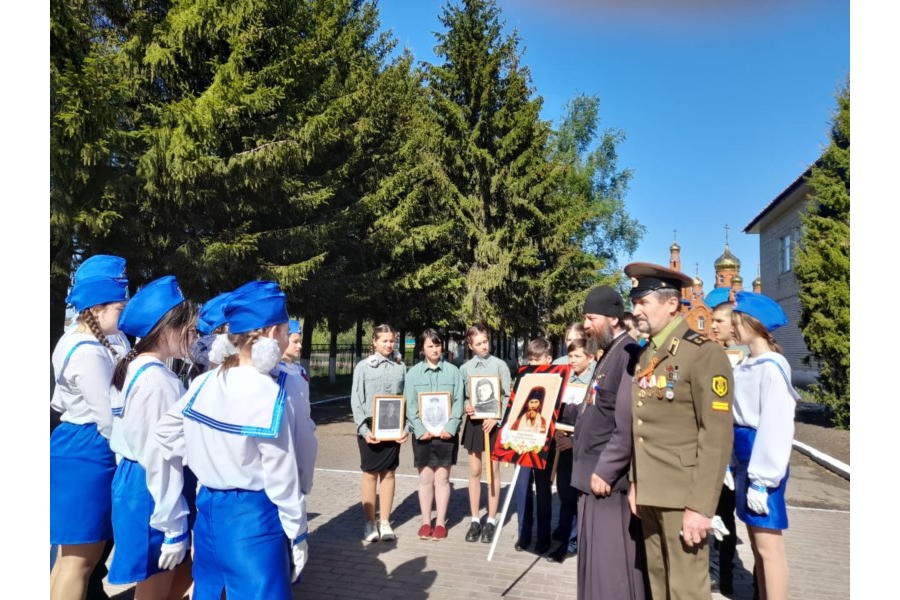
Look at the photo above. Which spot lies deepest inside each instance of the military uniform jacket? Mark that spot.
(603, 427)
(682, 422)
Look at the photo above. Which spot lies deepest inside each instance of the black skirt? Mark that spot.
(473, 435)
(435, 452)
(375, 458)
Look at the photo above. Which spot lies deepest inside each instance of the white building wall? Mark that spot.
(782, 286)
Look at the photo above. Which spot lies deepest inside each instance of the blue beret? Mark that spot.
(717, 296)
(762, 308)
(99, 279)
(149, 305)
(255, 305)
(102, 265)
(294, 326)
(212, 314)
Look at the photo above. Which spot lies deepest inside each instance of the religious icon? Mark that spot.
(531, 416)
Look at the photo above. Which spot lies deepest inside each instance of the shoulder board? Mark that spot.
(693, 336)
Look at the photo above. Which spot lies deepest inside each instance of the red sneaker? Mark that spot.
(425, 532)
(440, 532)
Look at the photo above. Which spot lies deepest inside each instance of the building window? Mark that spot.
(785, 251)
(701, 323)
(721, 279)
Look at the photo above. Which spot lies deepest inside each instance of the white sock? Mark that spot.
(491, 521)
(476, 520)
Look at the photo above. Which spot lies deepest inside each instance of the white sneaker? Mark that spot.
(387, 534)
(371, 534)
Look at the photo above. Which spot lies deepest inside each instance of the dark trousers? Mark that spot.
(526, 501)
(566, 527)
(726, 548)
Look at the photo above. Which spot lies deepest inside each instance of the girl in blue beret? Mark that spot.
(144, 389)
(764, 402)
(81, 462)
(236, 427)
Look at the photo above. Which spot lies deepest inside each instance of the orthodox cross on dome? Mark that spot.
(674, 235)
(726, 234)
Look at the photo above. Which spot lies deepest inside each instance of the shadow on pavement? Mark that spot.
(339, 540)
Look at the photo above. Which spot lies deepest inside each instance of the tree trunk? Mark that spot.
(309, 322)
(359, 340)
(332, 352)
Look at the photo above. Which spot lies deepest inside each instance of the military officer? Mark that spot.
(682, 429)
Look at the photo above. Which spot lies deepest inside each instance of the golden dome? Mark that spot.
(674, 247)
(698, 282)
(727, 260)
(757, 282)
(737, 279)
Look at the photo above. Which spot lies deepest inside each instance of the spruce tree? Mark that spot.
(493, 152)
(822, 266)
(270, 137)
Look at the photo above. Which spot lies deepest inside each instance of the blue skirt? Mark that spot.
(240, 546)
(137, 544)
(81, 473)
(777, 517)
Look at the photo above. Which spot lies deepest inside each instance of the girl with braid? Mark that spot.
(144, 389)
(81, 462)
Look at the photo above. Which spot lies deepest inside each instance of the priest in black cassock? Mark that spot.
(610, 543)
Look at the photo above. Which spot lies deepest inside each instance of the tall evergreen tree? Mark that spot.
(501, 185)
(822, 266)
(274, 132)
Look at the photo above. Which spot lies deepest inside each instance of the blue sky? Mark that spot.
(723, 106)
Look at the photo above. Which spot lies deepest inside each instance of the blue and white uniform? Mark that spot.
(763, 408)
(304, 428)
(149, 390)
(81, 462)
(235, 430)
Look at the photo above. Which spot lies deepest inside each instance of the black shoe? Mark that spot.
(487, 534)
(558, 555)
(542, 547)
(522, 544)
(474, 532)
(726, 588)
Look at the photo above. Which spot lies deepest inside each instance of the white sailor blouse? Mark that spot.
(150, 389)
(83, 369)
(765, 401)
(235, 431)
(303, 427)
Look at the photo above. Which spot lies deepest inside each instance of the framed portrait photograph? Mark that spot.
(389, 417)
(574, 393)
(434, 410)
(485, 395)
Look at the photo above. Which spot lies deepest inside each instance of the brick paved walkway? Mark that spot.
(343, 567)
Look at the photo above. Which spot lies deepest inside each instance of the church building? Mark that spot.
(728, 275)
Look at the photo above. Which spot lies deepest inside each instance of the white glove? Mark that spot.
(757, 499)
(300, 553)
(729, 478)
(173, 550)
(719, 530)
